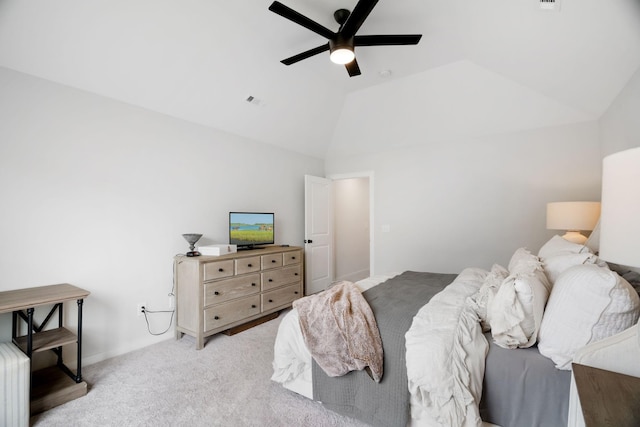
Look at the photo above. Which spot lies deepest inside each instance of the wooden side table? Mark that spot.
(607, 398)
(56, 385)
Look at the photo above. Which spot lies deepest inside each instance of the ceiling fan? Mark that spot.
(341, 44)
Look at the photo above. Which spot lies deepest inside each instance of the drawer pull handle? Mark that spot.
(270, 300)
(293, 257)
(216, 317)
(295, 274)
(216, 293)
(295, 292)
(253, 306)
(253, 284)
(221, 270)
(273, 261)
(271, 280)
(249, 265)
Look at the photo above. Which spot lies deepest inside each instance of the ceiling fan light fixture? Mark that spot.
(342, 43)
(342, 55)
(341, 49)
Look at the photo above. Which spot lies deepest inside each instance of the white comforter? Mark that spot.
(445, 356)
(446, 352)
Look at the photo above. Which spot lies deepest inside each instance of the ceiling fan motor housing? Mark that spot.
(340, 42)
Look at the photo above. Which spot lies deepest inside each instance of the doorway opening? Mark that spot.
(352, 228)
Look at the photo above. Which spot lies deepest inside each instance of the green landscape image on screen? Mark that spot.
(251, 230)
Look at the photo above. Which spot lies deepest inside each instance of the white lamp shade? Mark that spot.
(620, 221)
(572, 216)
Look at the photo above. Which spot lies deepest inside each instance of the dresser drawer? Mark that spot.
(247, 265)
(283, 276)
(271, 261)
(281, 297)
(232, 311)
(218, 269)
(294, 257)
(224, 290)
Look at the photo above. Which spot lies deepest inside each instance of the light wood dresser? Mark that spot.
(217, 293)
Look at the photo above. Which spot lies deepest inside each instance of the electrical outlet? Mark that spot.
(139, 308)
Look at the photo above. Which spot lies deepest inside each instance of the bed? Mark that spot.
(483, 345)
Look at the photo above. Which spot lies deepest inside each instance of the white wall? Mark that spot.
(351, 228)
(620, 125)
(450, 204)
(97, 193)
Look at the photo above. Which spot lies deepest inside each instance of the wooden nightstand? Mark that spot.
(607, 398)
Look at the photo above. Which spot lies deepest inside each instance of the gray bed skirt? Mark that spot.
(544, 402)
(394, 303)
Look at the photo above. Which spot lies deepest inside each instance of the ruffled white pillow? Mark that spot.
(484, 297)
(588, 303)
(515, 313)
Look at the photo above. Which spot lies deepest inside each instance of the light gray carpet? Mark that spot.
(172, 384)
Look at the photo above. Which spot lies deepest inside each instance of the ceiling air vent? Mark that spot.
(255, 101)
(549, 5)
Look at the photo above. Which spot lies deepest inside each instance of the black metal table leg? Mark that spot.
(79, 369)
(30, 343)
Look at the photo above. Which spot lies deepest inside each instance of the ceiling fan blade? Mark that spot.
(352, 68)
(306, 54)
(357, 17)
(387, 40)
(292, 15)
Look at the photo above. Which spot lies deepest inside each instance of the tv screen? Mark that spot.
(249, 229)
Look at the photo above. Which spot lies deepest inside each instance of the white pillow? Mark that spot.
(483, 298)
(559, 246)
(523, 262)
(516, 311)
(588, 303)
(554, 266)
(558, 254)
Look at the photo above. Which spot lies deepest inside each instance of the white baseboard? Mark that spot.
(354, 276)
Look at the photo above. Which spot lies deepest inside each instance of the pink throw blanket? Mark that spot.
(340, 331)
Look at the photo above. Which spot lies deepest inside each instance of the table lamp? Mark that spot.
(573, 217)
(192, 238)
(620, 220)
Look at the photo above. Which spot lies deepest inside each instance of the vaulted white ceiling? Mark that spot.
(509, 64)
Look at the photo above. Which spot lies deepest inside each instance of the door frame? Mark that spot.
(364, 174)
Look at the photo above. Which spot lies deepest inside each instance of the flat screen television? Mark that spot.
(251, 229)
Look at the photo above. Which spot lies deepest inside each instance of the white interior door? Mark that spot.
(318, 238)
